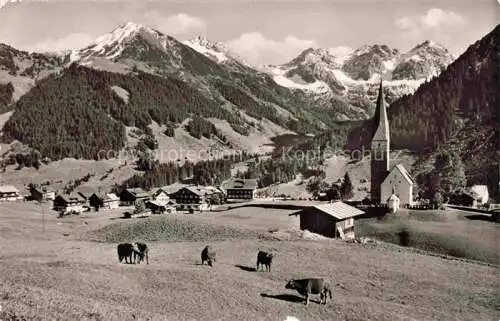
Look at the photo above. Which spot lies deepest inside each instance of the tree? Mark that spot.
(333, 193)
(346, 189)
(437, 200)
(139, 207)
(316, 185)
(452, 171)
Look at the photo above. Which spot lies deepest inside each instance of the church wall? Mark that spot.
(402, 188)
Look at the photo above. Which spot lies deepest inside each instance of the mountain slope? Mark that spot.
(206, 67)
(348, 83)
(19, 70)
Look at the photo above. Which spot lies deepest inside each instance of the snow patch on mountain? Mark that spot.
(209, 49)
(317, 87)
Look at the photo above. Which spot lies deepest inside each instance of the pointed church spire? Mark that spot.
(381, 121)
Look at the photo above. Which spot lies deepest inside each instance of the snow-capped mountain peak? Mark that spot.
(216, 51)
(126, 36)
(354, 75)
(117, 36)
(210, 49)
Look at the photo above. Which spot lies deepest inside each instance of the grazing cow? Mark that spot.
(310, 286)
(141, 250)
(264, 258)
(208, 254)
(126, 251)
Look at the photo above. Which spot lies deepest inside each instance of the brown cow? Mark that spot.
(310, 286)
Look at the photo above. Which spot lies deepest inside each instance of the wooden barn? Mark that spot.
(39, 193)
(335, 219)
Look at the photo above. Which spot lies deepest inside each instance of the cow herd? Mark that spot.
(136, 252)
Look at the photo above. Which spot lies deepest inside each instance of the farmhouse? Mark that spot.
(69, 203)
(335, 219)
(160, 207)
(9, 193)
(107, 201)
(399, 183)
(130, 195)
(160, 194)
(39, 193)
(383, 181)
(240, 188)
(194, 198)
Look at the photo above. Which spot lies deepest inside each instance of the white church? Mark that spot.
(389, 186)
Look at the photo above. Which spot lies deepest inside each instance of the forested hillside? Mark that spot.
(76, 113)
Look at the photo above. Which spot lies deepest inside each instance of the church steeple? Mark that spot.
(379, 147)
(382, 129)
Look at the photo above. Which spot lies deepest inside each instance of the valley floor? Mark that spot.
(67, 269)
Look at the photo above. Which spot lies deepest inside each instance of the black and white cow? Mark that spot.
(208, 255)
(141, 251)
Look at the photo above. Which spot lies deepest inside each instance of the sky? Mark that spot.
(260, 31)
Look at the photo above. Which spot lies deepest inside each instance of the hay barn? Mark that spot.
(335, 220)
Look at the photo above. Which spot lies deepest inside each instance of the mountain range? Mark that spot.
(147, 85)
(353, 77)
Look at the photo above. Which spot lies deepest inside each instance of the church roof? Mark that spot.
(382, 132)
(405, 173)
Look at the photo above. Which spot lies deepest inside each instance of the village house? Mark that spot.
(131, 195)
(72, 203)
(240, 189)
(104, 201)
(9, 193)
(160, 194)
(39, 193)
(334, 219)
(161, 206)
(194, 198)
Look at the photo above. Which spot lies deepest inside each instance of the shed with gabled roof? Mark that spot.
(334, 219)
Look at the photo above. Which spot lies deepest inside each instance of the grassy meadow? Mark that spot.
(67, 269)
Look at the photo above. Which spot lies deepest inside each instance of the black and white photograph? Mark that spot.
(260, 160)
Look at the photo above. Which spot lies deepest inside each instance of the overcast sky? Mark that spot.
(261, 31)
